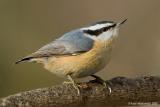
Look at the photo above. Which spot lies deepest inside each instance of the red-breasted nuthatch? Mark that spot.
(78, 53)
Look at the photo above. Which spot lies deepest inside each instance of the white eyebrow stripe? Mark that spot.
(97, 26)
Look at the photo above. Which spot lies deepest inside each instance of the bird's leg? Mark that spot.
(73, 83)
(100, 80)
(67, 82)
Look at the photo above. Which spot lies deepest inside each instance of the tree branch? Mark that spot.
(124, 91)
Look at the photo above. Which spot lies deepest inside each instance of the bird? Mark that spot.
(79, 53)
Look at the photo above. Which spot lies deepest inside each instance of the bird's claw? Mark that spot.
(106, 85)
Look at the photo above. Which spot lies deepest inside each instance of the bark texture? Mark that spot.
(124, 92)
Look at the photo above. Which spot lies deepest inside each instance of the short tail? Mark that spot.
(24, 60)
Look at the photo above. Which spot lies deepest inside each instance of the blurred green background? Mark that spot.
(26, 25)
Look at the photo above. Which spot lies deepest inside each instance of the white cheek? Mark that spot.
(105, 35)
(109, 34)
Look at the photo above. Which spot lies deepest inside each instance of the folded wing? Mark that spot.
(71, 43)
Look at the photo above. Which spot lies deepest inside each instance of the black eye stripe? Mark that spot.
(98, 31)
(91, 32)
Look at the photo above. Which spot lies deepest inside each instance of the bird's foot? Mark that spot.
(75, 85)
(101, 81)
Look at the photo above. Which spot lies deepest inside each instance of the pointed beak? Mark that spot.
(122, 22)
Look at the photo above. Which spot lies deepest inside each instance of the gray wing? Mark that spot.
(70, 43)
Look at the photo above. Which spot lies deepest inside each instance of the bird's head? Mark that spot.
(103, 30)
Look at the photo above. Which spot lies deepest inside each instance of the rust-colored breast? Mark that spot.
(81, 65)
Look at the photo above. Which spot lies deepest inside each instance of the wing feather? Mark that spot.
(69, 44)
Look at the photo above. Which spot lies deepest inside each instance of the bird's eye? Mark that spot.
(108, 27)
(105, 29)
(93, 32)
